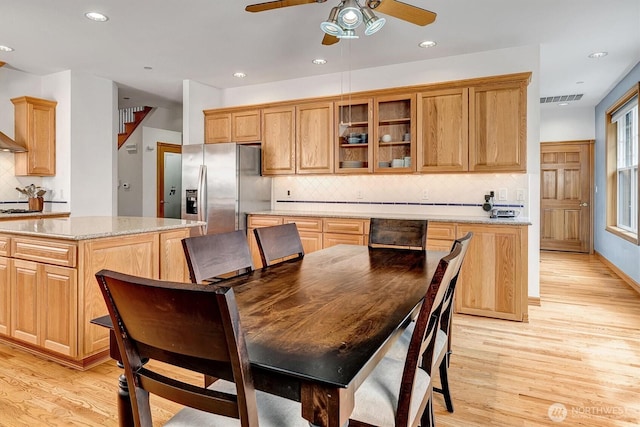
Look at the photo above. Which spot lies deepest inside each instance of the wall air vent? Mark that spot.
(561, 98)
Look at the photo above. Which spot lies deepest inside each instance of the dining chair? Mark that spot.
(398, 391)
(442, 350)
(405, 233)
(195, 327)
(279, 242)
(213, 255)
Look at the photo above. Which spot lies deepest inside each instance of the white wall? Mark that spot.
(567, 123)
(131, 164)
(482, 64)
(197, 97)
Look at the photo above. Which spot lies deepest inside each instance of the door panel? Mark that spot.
(565, 196)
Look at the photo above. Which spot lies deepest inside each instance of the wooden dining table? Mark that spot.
(316, 327)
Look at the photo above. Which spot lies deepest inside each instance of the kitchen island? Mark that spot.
(48, 291)
(493, 280)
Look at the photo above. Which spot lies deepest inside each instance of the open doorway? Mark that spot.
(169, 179)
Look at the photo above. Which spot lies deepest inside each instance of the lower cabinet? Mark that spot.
(493, 279)
(440, 236)
(49, 293)
(43, 298)
(5, 295)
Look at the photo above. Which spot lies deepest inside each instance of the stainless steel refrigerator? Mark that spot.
(221, 184)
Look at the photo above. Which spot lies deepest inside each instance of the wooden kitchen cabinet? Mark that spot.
(5, 294)
(353, 120)
(337, 231)
(217, 127)
(35, 129)
(443, 118)
(498, 127)
(440, 235)
(394, 115)
(278, 141)
(43, 300)
(257, 221)
(232, 126)
(314, 138)
(493, 279)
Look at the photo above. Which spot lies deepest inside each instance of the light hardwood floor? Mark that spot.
(580, 349)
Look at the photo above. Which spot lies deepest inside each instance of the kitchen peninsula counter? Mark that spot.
(48, 290)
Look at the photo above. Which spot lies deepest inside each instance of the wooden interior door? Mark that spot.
(566, 183)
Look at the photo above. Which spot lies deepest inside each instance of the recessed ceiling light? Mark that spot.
(148, 68)
(6, 48)
(126, 97)
(319, 61)
(579, 82)
(427, 43)
(96, 16)
(239, 75)
(597, 55)
(563, 104)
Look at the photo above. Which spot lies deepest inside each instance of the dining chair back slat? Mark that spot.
(279, 242)
(213, 255)
(405, 233)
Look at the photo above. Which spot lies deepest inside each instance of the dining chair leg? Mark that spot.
(427, 419)
(444, 382)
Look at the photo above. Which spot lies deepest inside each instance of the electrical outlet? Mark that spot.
(425, 194)
(288, 194)
(359, 194)
(502, 194)
(520, 194)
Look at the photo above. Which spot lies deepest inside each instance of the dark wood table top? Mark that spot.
(326, 316)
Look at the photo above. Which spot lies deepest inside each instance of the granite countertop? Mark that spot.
(92, 227)
(439, 218)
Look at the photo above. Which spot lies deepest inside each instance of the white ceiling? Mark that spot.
(208, 40)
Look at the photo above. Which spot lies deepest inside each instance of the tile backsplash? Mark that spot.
(437, 194)
(9, 196)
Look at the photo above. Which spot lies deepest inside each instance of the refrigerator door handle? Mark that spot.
(202, 195)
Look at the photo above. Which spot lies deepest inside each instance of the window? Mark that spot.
(622, 167)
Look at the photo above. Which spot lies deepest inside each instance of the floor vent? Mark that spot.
(561, 98)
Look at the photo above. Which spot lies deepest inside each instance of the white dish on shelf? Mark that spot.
(384, 164)
(352, 164)
(397, 163)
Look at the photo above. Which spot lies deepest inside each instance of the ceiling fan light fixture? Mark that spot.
(5, 48)
(348, 34)
(331, 26)
(372, 22)
(350, 15)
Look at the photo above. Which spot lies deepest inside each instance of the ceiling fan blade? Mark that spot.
(328, 40)
(403, 11)
(2, 64)
(261, 7)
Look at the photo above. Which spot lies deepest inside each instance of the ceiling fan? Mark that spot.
(349, 14)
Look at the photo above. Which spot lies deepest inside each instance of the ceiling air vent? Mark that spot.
(561, 98)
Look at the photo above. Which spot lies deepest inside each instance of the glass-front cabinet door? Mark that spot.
(353, 142)
(394, 134)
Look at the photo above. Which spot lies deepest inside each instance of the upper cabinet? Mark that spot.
(443, 123)
(394, 134)
(35, 128)
(498, 127)
(278, 140)
(232, 126)
(474, 125)
(479, 128)
(245, 126)
(314, 138)
(353, 139)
